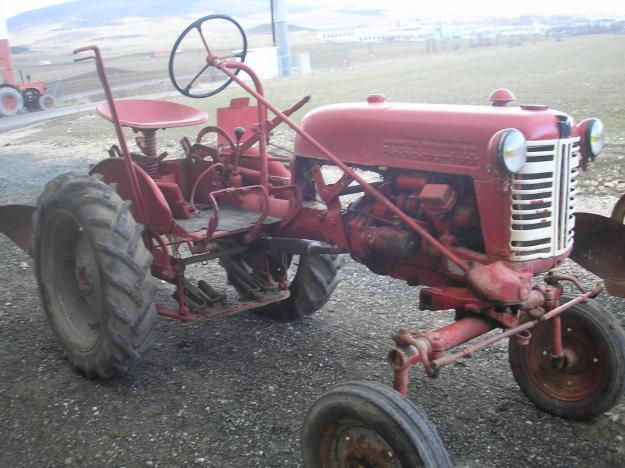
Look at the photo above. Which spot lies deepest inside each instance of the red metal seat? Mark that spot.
(146, 114)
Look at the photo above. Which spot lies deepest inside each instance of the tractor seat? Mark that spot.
(148, 114)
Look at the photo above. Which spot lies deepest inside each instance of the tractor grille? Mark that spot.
(543, 200)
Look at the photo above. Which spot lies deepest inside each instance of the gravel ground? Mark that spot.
(233, 393)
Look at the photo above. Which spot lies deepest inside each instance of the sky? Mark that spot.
(419, 7)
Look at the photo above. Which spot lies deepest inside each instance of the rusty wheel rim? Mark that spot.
(351, 444)
(9, 103)
(583, 369)
(72, 282)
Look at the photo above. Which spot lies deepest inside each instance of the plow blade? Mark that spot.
(600, 248)
(16, 222)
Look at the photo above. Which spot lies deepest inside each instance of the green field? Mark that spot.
(583, 76)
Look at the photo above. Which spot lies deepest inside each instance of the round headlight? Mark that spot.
(512, 150)
(594, 139)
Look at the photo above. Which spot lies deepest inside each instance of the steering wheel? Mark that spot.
(236, 53)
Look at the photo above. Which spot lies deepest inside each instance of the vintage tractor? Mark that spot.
(14, 96)
(470, 202)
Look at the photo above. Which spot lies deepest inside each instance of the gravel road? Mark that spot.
(233, 393)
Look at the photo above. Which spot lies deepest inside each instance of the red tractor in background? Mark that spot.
(470, 202)
(14, 96)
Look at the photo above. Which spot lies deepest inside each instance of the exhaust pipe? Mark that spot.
(16, 222)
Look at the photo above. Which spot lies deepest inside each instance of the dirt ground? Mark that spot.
(233, 393)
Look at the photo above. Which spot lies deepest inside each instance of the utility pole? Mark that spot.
(280, 30)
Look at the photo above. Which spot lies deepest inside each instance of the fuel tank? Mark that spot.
(424, 137)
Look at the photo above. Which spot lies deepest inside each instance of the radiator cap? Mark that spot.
(376, 98)
(501, 97)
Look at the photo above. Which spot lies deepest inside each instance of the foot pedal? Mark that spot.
(249, 284)
(203, 298)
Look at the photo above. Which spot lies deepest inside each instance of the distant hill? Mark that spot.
(89, 13)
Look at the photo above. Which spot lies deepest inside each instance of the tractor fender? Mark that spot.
(158, 215)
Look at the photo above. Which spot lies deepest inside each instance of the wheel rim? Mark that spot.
(73, 287)
(9, 103)
(583, 369)
(47, 102)
(351, 444)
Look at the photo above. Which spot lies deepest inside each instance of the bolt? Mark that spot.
(595, 360)
(545, 353)
(569, 330)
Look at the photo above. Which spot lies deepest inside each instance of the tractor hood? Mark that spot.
(439, 138)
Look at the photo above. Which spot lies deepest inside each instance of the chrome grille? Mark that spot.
(543, 200)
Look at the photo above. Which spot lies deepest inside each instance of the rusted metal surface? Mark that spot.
(415, 347)
(356, 445)
(577, 372)
(429, 348)
(211, 312)
(16, 222)
(600, 248)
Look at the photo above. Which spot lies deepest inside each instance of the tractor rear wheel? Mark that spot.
(93, 272)
(366, 424)
(590, 381)
(11, 101)
(313, 284)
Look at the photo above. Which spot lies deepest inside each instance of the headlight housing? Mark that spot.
(593, 137)
(512, 150)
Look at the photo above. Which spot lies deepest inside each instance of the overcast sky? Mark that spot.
(419, 7)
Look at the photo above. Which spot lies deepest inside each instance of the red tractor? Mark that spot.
(14, 96)
(472, 203)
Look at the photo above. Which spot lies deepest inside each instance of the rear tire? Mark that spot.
(368, 424)
(313, 284)
(11, 101)
(593, 377)
(93, 272)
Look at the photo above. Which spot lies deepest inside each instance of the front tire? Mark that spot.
(93, 272)
(592, 379)
(368, 424)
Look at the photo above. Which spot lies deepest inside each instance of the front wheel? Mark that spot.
(590, 381)
(366, 424)
(93, 272)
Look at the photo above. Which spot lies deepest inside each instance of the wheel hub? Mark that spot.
(357, 446)
(72, 278)
(9, 103)
(577, 374)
